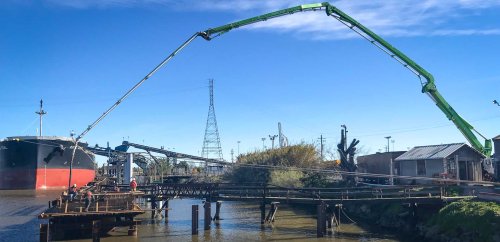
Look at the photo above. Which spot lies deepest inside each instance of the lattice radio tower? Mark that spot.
(211, 143)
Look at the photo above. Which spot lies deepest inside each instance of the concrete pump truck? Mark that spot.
(426, 79)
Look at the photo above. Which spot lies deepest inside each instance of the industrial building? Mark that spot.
(454, 161)
(379, 163)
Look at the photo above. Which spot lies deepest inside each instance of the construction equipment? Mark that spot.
(426, 79)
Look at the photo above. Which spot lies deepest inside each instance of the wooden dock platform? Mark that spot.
(69, 220)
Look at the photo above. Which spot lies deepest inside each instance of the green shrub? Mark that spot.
(478, 220)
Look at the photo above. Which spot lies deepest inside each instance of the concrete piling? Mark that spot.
(194, 219)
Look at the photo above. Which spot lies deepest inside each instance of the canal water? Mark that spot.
(240, 222)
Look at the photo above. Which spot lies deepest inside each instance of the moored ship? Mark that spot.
(43, 162)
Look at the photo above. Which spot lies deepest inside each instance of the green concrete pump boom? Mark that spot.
(428, 85)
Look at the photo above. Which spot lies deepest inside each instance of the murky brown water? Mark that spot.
(240, 222)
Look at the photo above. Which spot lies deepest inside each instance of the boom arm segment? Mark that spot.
(428, 85)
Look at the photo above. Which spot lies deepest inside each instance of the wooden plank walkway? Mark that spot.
(260, 192)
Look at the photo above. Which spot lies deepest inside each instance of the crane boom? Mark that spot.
(428, 85)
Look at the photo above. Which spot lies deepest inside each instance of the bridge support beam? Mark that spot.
(194, 219)
(208, 215)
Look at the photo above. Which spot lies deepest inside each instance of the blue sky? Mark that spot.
(306, 71)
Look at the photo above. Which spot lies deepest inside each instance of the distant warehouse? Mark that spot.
(454, 161)
(379, 163)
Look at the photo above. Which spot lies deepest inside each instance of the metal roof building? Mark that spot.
(430, 152)
(457, 161)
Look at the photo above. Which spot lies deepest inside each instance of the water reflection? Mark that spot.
(240, 222)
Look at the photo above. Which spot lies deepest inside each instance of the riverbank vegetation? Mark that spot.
(465, 220)
(254, 167)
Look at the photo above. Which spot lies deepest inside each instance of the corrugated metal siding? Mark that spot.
(430, 152)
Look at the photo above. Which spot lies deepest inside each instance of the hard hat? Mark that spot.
(74, 185)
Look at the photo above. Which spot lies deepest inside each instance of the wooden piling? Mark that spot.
(166, 207)
(208, 215)
(194, 219)
(132, 230)
(320, 222)
(44, 233)
(96, 226)
(153, 207)
(329, 217)
(262, 213)
(218, 205)
(272, 212)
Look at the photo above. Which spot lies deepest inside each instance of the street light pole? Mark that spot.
(388, 138)
(272, 137)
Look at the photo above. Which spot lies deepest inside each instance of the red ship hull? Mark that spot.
(58, 178)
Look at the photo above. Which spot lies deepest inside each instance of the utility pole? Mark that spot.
(388, 138)
(321, 139)
(272, 137)
(41, 113)
(393, 141)
(232, 157)
(263, 145)
(239, 147)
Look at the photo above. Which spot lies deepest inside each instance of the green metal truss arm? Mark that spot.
(428, 85)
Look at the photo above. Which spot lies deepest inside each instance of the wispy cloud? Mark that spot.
(399, 18)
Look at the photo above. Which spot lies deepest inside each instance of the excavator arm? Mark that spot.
(426, 79)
